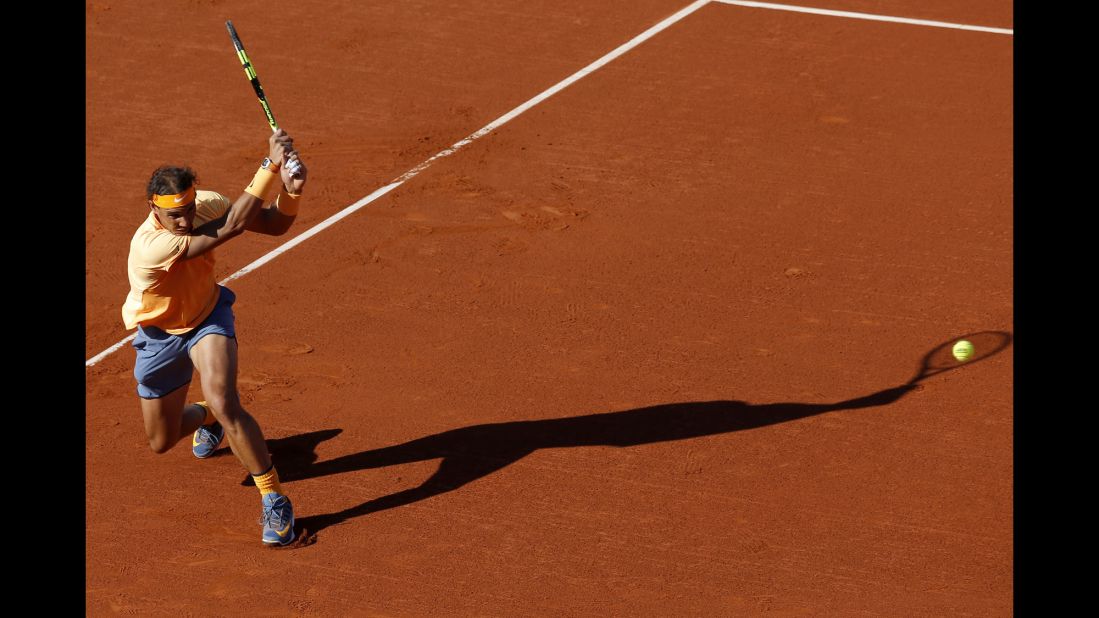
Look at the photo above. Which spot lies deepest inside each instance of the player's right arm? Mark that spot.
(236, 220)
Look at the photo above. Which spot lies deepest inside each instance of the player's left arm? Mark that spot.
(276, 218)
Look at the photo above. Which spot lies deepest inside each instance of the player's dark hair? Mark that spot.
(169, 180)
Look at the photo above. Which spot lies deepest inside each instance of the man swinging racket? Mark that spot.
(184, 319)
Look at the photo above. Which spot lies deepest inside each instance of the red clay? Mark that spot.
(582, 366)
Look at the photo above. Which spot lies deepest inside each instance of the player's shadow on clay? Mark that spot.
(470, 453)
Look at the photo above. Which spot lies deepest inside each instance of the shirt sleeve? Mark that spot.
(210, 206)
(159, 250)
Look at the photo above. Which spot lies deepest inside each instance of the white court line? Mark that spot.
(552, 90)
(625, 47)
(899, 20)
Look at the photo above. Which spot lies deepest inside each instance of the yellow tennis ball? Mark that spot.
(963, 350)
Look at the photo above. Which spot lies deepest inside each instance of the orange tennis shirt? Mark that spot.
(166, 290)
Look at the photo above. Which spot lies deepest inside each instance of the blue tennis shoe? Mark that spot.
(277, 520)
(207, 439)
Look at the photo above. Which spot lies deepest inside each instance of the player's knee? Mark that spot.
(237, 421)
(224, 406)
(160, 444)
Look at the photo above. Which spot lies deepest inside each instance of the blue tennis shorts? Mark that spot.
(164, 360)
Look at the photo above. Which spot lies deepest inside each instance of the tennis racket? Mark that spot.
(251, 74)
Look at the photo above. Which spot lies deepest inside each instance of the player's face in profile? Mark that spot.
(179, 221)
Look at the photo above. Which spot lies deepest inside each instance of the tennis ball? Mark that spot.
(963, 350)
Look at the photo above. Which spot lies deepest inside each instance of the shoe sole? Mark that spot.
(293, 535)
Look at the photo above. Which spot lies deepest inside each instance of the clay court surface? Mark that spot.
(583, 365)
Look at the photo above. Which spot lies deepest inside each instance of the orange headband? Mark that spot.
(178, 200)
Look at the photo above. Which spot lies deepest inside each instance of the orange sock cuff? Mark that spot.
(268, 482)
(209, 418)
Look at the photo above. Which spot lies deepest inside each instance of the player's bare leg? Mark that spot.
(215, 357)
(168, 420)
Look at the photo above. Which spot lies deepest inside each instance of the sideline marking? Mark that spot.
(899, 20)
(552, 90)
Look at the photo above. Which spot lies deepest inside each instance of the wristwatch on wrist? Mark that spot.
(269, 165)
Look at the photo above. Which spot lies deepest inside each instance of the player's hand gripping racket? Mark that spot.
(251, 74)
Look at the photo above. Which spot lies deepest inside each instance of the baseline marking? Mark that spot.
(899, 20)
